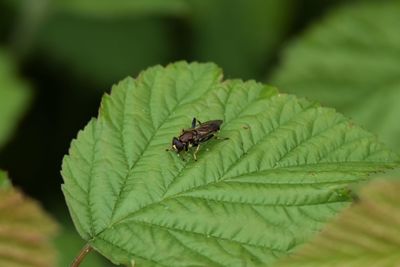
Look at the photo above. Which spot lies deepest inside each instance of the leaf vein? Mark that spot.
(165, 228)
(191, 249)
(129, 253)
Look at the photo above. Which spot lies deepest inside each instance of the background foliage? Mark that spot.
(26, 231)
(57, 58)
(351, 61)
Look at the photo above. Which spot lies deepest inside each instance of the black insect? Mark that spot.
(193, 137)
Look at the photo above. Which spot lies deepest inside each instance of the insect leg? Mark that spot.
(206, 138)
(194, 122)
(195, 152)
(221, 138)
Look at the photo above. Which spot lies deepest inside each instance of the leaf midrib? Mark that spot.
(191, 189)
(119, 198)
(164, 227)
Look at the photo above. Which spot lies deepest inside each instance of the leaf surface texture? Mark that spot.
(367, 234)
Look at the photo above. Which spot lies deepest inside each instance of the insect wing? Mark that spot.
(209, 127)
(187, 135)
(206, 130)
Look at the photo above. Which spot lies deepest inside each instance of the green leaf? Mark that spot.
(247, 200)
(253, 27)
(351, 61)
(367, 234)
(25, 230)
(14, 97)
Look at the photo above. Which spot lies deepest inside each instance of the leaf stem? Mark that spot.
(84, 251)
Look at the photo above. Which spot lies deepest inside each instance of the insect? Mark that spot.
(193, 137)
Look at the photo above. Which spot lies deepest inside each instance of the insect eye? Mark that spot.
(177, 145)
(174, 140)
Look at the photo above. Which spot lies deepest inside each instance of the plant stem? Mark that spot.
(84, 251)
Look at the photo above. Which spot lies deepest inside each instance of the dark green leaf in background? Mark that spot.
(108, 41)
(14, 97)
(108, 8)
(247, 201)
(351, 61)
(104, 50)
(241, 36)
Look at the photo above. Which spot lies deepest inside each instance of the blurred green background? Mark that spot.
(57, 58)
